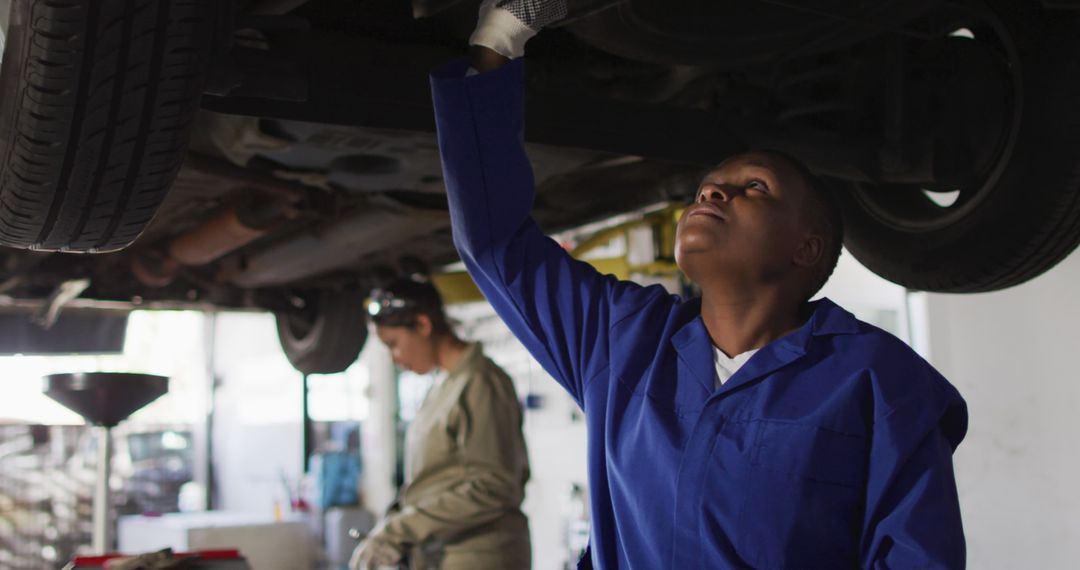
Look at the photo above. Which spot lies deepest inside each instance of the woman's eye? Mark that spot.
(758, 185)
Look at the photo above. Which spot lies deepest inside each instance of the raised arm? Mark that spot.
(560, 308)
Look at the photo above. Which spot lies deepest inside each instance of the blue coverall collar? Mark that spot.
(695, 347)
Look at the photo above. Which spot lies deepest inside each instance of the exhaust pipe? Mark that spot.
(223, 234)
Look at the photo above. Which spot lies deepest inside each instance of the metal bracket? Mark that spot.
(246, 67)
(65, 293)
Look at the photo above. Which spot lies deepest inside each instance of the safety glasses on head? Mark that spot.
(384, 304)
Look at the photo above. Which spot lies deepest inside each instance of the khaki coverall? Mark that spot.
(465, 473)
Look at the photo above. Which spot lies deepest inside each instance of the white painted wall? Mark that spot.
(869, 297)
(258, 429)
(1010, 353)
(258, 425)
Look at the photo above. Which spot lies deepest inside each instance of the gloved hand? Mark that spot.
(373, 552)
(505, 25)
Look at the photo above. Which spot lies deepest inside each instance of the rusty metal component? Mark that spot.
(373, 228)
(272, 202)
(213, 239)
(223, 234)
(154, 269)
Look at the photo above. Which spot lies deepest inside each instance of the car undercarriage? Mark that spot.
(311, 169)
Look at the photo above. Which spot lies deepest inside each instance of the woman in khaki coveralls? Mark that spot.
(465, 459)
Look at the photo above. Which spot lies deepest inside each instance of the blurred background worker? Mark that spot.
(465, 458)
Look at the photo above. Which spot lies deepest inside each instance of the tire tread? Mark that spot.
(105, 86)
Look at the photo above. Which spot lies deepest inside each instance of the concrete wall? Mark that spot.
(1010, 354)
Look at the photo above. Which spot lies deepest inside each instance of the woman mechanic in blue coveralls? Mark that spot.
(748, 428)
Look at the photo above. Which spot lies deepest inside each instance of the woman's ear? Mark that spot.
(424, 326)
(810, 251)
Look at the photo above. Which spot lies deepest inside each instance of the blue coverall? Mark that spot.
(830, 448)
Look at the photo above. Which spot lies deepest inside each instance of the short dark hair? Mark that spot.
(823, 214)
(403, 301)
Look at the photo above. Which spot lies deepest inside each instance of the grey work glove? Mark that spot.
(505, 25)
(374, 552)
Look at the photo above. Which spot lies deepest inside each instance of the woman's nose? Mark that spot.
(721, 192)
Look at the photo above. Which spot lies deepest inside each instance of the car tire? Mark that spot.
(96, 100)
(1023, 217)
(327, 334)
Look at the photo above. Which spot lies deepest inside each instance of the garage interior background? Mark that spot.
(232, 422)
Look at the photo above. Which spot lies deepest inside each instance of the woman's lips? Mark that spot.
(707, 209)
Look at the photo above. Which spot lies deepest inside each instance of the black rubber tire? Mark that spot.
(328, 335)
(1027, 218)
(96, 100)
